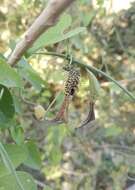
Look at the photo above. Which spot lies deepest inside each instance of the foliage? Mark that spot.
(9, 181)
(8, 76)
(36, 153)
(56, 34)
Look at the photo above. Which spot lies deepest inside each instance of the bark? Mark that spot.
(46, 19)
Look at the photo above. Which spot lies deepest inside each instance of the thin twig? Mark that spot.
(52, 103)
(24, 100)
(91, 68)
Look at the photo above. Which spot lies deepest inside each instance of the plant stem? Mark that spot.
(91, 68)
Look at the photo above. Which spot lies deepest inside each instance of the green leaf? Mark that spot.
(55, 155)
(17, 155)
(56, 34)
(17, 104)
(56, 134)
(33, 159)
(9, 165)
(6, 125)
(54, 139)
(115, 88)
(87, 17)
(94, 86)
(17, 134)
(8, 76)
(47, 188)
(8, 182)
(7, 109)
(73, 33)
(28, 73)
(112, 131)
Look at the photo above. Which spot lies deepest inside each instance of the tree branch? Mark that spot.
(46, 19)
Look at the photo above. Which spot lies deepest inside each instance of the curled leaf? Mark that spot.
(94, 86)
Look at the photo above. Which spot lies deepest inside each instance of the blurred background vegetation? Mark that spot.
(99, 159)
